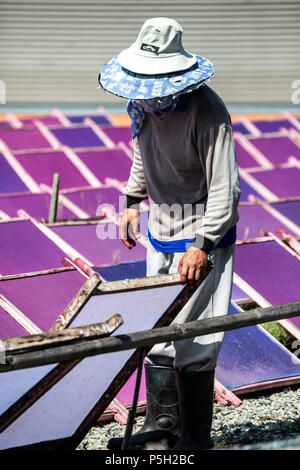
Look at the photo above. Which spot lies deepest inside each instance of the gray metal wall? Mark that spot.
(51, 51)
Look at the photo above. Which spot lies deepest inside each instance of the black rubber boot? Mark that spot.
(162, 416)
(196, 395)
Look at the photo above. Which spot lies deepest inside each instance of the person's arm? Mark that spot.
(219, 160)
(135, 192)
(223, 185)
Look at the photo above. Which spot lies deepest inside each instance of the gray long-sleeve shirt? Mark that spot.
(185, 163)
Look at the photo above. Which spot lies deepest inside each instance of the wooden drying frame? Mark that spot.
(254, 294)
(63, 368)
(58, 372)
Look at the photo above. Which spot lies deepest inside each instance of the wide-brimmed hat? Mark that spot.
(155, 65)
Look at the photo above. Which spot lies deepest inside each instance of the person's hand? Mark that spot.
(191, 265)
(129, 227)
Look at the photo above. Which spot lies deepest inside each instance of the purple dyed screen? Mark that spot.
(112, 163)
(119, 134)
(47, 120)
(42, 166)
(252, 218)
(90, 199)
(37, 205)
(99, 251)
(271, 270)
(24, 248)
(239, 127)
(247, 190)
(97, 118)
(248, 356)
(43, 298)
(283, 182)
(276, 149)
(8, 326)
(273, 126)
(78, 137)
(245, 160)
(9, 180)
(290, 209)
(24, 139)
(130, 270)
(238, 294)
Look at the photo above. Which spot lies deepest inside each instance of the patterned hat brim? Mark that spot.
(121, 82)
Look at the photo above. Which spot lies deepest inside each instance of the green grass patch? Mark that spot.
(283, 336)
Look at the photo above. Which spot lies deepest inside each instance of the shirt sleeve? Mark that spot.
(135, 189)
(218, 156)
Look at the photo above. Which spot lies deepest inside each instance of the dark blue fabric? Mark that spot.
(170, 247)
(179, 246)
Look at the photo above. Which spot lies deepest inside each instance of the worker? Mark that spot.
(184, 162)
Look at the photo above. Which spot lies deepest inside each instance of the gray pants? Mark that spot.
(211, 299)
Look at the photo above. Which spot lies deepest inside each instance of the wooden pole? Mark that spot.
(132, 412)
(54, 198)
(146, 339)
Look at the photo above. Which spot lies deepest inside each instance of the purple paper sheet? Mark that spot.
(24, 139)
(108, 163)
(9, 180)
(249, 356)
(239, 127)
(119, 134)
(238, 294)
(273, 126)
(245, 160)
(4, 126)
(100, 251)
(47, 120)
(247, 190)
(252, 218)
(97, 118)
(276, 149)
(89, 380)
(37, 205)
(271, 270)
(24, 248)
(283, 182)
(130, 270)
(240, 361)
(78, 137)
(9, 327)
(91, 199)
(43, 298)
(290, 209)
(42, 166)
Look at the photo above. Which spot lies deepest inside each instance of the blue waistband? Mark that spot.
(178, 246)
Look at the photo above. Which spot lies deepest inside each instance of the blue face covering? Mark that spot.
(159, 105)
(137, 108)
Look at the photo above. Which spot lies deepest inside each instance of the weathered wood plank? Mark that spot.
(62, 337)
(77, 303)
(54, 198)
(55, 375)
(37, 273)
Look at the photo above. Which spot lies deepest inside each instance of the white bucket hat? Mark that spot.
(155, 65)
(158, 49)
